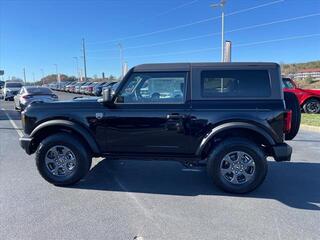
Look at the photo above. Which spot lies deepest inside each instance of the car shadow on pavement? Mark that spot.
(295, 184)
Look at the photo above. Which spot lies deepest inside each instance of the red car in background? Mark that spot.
(309, 99)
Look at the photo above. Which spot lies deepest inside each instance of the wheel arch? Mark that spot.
(54, 126)
(234, 129)
(309, 98)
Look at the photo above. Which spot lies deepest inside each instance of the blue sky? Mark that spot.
(36, 34)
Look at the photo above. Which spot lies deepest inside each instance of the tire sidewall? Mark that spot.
(83, 160)
(232, 145)
(305, 106)
(292, 103)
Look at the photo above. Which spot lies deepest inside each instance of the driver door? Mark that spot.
(150, 115)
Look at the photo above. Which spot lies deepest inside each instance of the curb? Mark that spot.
(310, 128)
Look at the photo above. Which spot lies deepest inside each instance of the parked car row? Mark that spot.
(87, 88)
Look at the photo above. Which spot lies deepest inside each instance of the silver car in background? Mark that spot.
(30, 94)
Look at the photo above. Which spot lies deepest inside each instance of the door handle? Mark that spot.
(175, 116)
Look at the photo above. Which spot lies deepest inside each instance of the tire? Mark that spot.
(292, 103)
(311, 106)
(216, 165)
(82, 159)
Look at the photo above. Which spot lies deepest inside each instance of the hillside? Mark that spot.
(296, 67)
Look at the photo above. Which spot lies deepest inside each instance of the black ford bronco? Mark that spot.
(228, 117)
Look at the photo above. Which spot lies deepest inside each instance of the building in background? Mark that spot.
(313, 73)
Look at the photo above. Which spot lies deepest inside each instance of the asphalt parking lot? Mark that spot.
(155, 200)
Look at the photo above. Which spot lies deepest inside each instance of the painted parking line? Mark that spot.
(14, 125)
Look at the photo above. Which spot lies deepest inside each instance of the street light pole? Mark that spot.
(24, 76)
(58, 77)
(33, 79)
(56, 65)
(42, 72)
(77, 66)
(221, 5)
(84, 59)
(121, 59)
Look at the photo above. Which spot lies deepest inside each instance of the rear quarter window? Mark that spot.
(235, 84)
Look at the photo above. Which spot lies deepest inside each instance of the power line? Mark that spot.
(187, 24)
(176, 8)
(274, 22)
(235, 45)
(217, 48)
(213, 34)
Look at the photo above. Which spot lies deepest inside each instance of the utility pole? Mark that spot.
(56, 65)
(77, 67)
(221, 5)
(84, 59)
(33, 78)
(24, 76)
(57, 73)
(42, 73)
(121, 59)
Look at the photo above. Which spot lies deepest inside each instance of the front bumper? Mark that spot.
(282, 152)
(26, 144)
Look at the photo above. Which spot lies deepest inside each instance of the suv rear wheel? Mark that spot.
(62, 159)
(237, 165)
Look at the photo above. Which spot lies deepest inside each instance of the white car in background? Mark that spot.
(11, 89)
(30, 94)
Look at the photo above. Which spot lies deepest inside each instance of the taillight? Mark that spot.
(26, 97)
(287, 121)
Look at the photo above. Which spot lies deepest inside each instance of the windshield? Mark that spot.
(13, 85)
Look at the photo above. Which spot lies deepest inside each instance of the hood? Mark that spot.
(312, 91)
(80, 102)
(39, 111)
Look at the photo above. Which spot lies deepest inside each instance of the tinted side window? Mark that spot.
(235, 83)
(164, 87)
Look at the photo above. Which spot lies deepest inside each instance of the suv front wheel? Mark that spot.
(312, 106)
(62, 159)
(237, 165)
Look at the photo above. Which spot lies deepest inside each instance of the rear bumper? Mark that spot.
(282, 152)
(26, 144)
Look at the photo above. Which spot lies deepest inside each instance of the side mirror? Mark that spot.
(107, 96)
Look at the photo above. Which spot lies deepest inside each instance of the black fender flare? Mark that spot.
(233, 125)
(87, 136)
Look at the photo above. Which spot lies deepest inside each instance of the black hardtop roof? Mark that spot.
(187, 66)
